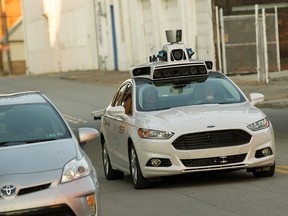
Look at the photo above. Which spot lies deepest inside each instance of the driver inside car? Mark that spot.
(150, 97)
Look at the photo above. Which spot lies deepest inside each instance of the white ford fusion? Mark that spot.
(175, 116)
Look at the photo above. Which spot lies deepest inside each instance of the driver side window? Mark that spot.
(127, 100)
(124, 98)
(117, 101)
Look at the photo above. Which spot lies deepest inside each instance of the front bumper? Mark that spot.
(61, 199)
(200, 160)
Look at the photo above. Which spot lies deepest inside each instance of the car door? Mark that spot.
(117, 127)
(111, 125)
(124, 126)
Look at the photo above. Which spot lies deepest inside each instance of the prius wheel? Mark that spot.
(110, 173)
(264, 172)
(139, 181)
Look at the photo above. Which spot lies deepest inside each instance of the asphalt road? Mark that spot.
(226, 194)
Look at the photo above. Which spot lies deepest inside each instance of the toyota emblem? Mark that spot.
(8, 191)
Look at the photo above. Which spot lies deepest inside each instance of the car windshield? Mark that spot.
(30, 123)
(151, 96)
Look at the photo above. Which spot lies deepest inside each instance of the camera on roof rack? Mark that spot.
(174, 51)
(174, 61)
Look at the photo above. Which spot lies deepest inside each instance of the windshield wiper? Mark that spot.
(39, 140)
(10, 143)
(163, 108)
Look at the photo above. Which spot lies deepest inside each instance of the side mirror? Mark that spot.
(87, 134)
(98, 114)
(256, 98)
(117, 111)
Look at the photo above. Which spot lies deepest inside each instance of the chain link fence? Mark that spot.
(248, 43)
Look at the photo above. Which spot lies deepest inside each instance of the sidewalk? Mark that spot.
(276, 92)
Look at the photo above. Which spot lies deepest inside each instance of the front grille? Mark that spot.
(212, 161)
(56, 210)
(33, 189)
(211, 139)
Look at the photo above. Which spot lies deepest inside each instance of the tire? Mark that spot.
(138, 179)
(109, 172)
(263, 174)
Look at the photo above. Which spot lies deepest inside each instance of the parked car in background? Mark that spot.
(43, 169)
(176, 116)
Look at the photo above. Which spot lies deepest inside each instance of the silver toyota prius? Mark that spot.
(43, 169)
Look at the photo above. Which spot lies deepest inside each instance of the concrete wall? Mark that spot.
(41, 57)
(16, 39)
(65, 35)
(18, 59)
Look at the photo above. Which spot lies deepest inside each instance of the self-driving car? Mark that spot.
(175, 116)
(43, 169)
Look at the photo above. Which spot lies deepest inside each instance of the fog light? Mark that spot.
(266, 151)
(263, 152)
(155, 162)
(159, 162)
(92, 204)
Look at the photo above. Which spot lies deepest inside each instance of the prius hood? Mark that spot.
(36, 157)
(201, 117)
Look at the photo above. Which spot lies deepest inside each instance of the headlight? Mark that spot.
(259, 125)
(154, 134)
(75, 169)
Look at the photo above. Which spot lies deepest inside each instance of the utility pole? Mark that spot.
(5, 44)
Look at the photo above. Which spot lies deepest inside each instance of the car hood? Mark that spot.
(201, 117)
(36, 157)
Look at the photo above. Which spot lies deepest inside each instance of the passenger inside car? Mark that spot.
(127, 103)
(209, 93)
(150, 97)
(206, 92)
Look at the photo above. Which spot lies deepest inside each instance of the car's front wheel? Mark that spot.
(110, 173)
(264, 171)
(139, 180)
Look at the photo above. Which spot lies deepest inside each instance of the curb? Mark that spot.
(280, 103)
